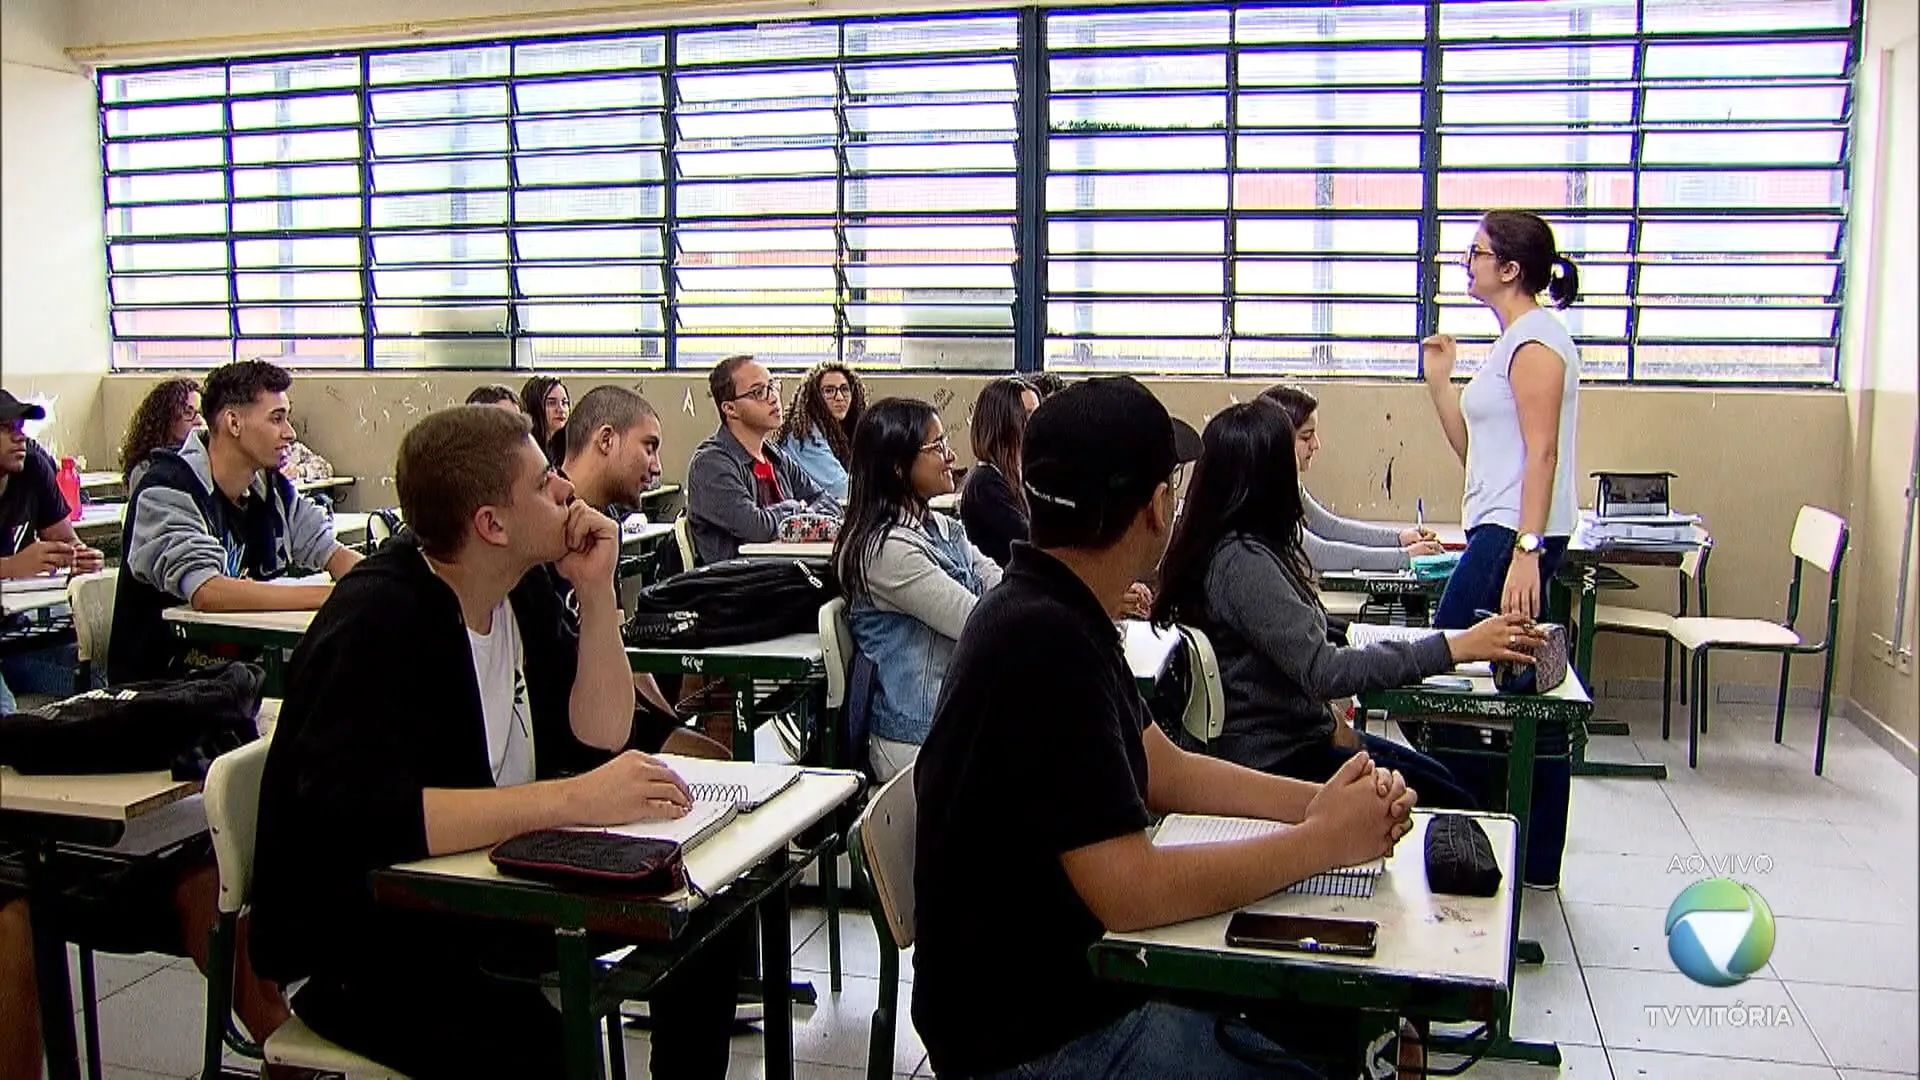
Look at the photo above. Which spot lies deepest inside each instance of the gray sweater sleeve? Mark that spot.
(170, 547)
(1337, 543)
(1249, 591)
(310, 538)
(1328, 555)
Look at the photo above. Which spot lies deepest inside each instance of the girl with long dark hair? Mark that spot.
(162, 421)
(1237, 570)
(992, 505)
(545, 401)
(910, 576)
(1334, 542)
(817, 434)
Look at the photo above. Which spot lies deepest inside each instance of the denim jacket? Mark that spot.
(922, 584)
(816, 459)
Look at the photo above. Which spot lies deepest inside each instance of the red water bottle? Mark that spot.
(69, 481)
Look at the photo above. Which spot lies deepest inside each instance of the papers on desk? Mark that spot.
(743, 784)
(1360, 634)
(702, 821)
(1185, 830)
(1663, 530)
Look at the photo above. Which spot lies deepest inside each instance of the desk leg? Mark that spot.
(1582, 665)
(584, 1061)
(50, 970)
(776, 986)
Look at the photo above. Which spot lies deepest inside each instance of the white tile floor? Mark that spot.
(1843, 888)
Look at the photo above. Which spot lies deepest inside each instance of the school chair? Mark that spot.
(91, 598)
(1206, 711)
(1345, 605)
(683, 539)
(881, 843)
(837, 652)
(381, 525)
(232, 793)
(1819, 540)
(1648, 622)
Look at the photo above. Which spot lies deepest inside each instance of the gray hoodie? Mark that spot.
(1337, 543)
(171, 546)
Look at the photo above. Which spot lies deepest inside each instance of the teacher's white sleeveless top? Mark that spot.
(1496, 454)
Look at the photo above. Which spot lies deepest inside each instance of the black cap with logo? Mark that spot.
(12, 408)
(1102, 445)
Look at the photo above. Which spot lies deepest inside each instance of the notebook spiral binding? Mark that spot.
(1359, 886)
(728, 793)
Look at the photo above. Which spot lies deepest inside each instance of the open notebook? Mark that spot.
(1361, 634)
(743, 784)
(1180, 830)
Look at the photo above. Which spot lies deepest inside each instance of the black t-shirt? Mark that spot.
(993, 517)
(1035, 751)
(31, 502)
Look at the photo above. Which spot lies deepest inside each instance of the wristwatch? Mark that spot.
(1528, 543)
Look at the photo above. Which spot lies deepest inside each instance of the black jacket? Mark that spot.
(382, 703)
(722, 506)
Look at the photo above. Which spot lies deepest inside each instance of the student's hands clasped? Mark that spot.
(632, 787)
(1362, 811)
(593, 544)
(1508, 637)
(47, 556)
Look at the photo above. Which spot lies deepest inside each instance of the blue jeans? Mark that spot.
(1481, 576)
(1476, 585)
(1435, 783)
(42, 671)
(1161, 1040)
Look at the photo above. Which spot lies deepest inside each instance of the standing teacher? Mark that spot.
(1513, 429)
(1513, 425)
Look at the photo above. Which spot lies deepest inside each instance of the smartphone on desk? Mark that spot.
(1302, 933)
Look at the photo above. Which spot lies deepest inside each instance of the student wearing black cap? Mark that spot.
(36, 538)
(1037, 778)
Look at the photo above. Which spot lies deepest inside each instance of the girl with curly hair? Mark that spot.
(817, 434)
(162, 422)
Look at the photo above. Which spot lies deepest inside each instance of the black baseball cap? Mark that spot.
(12, 408)
(1102, 444)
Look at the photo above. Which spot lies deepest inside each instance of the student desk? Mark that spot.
(746, 865)
(275, 633)
(663, 493)
(42, 813)
(1587, 564)
(945, 504)
(795, 659)
(21, 595)
(1149, 650)
(1442, 959)
(637, 542)
(810, 549)
(331, 483)
(99, 518)
(101, 481)
(347, 525)
(40, 601)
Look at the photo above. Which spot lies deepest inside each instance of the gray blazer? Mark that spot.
(723, 508)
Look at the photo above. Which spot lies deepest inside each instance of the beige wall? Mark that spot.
(53, 302)
(1881, 349)
(1722, 444)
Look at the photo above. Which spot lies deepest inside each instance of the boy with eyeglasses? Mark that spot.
(739, 489)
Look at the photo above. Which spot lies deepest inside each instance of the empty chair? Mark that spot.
(882, 843)
(1646, 622)
(91, 598)
(1820, 541)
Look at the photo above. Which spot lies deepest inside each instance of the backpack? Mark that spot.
(179, 725)
(732, 603)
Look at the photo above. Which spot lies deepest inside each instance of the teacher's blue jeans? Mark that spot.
(1476, 585)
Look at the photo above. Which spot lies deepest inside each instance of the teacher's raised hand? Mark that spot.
(1437, 354)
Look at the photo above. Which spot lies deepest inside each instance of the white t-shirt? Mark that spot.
(499, 664)
(1496, 453)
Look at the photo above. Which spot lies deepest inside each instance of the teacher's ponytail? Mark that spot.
(1563, 282)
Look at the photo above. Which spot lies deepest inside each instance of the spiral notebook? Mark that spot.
(744, 784)
(1180, 830)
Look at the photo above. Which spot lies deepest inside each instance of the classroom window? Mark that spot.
(1278, 188)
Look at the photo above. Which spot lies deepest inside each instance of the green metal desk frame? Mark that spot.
(275, 646)
(587, 926)
(1521, 717)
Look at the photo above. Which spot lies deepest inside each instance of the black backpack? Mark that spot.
(179, 725)
(732, 603)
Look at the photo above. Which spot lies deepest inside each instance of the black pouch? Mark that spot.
(594, 862)
(1460, 857)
